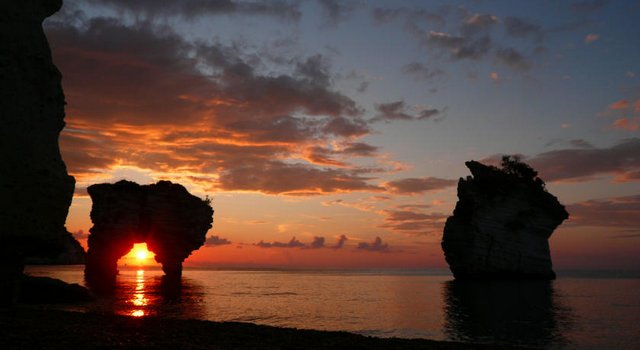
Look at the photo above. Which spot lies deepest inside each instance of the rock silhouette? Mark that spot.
(72, 254)
(172, 222)
(36, 189)
(501, 224)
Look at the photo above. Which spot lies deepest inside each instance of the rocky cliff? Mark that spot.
(72, 254)
(36, 189)
(501, 224)
(164, 215)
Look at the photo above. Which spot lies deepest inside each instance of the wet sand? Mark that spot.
(37, 328)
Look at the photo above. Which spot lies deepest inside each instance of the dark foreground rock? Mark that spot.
(45, 290)
(172, 222)
(36, 189)
(25, 328)
(72, 254)
(501, 224)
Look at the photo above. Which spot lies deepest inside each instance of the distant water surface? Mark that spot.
(576, 312)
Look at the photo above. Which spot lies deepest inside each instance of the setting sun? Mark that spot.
(139, 255)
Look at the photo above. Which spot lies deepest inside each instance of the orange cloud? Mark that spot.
(144, 101)
(619, 105)
(630, 124)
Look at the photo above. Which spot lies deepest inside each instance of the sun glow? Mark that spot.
(139, 255)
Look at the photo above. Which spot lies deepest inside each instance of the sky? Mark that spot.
(332, 134)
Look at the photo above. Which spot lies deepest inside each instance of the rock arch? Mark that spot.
(164, 215)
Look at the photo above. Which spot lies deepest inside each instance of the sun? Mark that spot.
(139, 255)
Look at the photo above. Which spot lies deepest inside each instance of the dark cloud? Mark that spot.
(588, 7)
(413, 222)
(326, 156)
(421, 72)
(83, 152)
(580, 143)
(460, 47)
(195, 8)
(620, 212)
(398, 111)
(336, 11)
(522, 28)
(478, 24)
(375, 246)
(419, 185)
(340, 242)
(345, 127)
(216, 241)
(405, 215)
(293, 243)
(414, 206)
(363, 86)
(584, 164)
(315, 68)
(472, 38)
(360, 149)
(318, 242)
(410, 15)
(275, 177)
(512, 58)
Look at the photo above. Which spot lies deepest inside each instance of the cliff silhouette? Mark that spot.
(36, 189)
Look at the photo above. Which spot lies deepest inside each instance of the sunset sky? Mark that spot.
(332, 133)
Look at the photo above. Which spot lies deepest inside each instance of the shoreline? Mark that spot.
(38, 327)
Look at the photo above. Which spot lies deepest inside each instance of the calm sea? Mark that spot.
(571, 312)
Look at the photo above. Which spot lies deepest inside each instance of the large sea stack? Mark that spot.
(36, 189)
(172, 222)
(501, 224)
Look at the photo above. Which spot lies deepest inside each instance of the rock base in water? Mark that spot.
(501, 224)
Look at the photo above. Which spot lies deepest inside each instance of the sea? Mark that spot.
(579, 310)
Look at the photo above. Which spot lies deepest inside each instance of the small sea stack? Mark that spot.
(171, 221)
(501, 224)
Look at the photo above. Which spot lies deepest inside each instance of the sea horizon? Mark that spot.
(438, 271)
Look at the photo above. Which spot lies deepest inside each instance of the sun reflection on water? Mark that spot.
(139, 297)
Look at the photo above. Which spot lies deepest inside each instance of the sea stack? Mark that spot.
(36, 189)
(501, 224)
(172, 222)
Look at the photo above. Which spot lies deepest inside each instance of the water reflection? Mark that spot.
(139, 300)
(514, 312)
(143, 292)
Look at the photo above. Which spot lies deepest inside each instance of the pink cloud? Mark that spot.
(591, 38)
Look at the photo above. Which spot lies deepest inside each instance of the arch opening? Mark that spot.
(139, 256)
